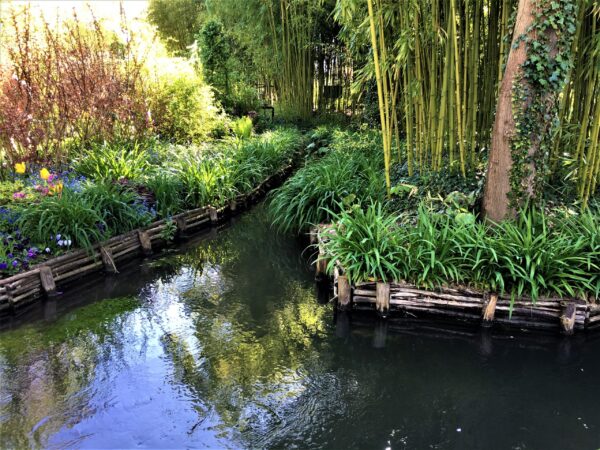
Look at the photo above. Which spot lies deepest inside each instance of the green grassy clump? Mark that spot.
(350, 169)
(535, 254)
(85, 218)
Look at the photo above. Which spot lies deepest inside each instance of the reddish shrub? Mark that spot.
(79, 83)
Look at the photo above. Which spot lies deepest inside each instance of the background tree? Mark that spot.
(177, 21)
(215, 53)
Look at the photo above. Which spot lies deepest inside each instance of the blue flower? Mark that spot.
(15, 263)
(3, 266)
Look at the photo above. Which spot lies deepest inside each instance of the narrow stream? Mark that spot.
(223, 344)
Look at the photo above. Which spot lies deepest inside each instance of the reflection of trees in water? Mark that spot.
(46, 370)
(251, 245)
(245, 373)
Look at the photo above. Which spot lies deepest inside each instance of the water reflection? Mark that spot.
(228, 344)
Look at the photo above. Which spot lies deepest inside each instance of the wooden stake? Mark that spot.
(47, 280)
(489, 309)
(344, 293)
(212, 212)
(567, 320)
(145, 242)
(233, 205)
(107, 260)
(382, 299)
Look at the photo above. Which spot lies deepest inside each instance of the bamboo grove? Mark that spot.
(431, 67)
(438, 65)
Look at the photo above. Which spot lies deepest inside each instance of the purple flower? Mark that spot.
(15, 263)
(3, 266)
(10, 255)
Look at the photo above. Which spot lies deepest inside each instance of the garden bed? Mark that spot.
(25, 288)
(462, 304)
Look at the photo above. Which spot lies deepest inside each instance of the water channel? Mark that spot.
(223, 343)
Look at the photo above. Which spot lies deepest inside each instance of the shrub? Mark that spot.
(535, 254)
(182, 106)
(120, 208)
(70, 214)
(206, 177)
(75, 82)
(88, 217)
(242, 128)
(168, 192)
(367, 243)
(113, 161)
(352, 170)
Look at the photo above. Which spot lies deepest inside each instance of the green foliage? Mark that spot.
(351, 170)
(215, 52)
(86, 217)
(205, 176)
(70, 214)
(214, 175)
(536, 254)
(366, 243)
(168, 192)
(169, 231)
(120, 208)
(183, 107)
(177, 22)
(242, 127)
(113, 161)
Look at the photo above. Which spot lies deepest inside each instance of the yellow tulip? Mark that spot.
(20, 167)
(44, 174)
(56, 188)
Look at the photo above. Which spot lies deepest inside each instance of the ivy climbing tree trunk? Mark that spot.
(537, 67)
(496, 203)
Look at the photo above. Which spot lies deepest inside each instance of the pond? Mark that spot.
(224, 344)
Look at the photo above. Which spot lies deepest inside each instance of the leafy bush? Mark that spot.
(113, 161)
(88, 217)
(242, 127)
(366, 243)
(536, 254)
(214, 175)
(76, 82)
(121, 209)
(70, 214)
(168, 192)
(352, 170)
(182, 106)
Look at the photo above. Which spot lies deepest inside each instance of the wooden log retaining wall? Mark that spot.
(459, 303)
(43, 279)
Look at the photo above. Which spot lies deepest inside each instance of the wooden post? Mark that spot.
(233, 205)
(214, 216)
(382, 299)
(47, 280)
(107, 260)
(489, 309)
(321, 268)
(344, 293)
(567, 319)
(181, 223)
(145, 242)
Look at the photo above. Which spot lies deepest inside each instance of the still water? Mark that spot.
(224, 344)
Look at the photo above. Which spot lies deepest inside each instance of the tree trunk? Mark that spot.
(496, 204)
